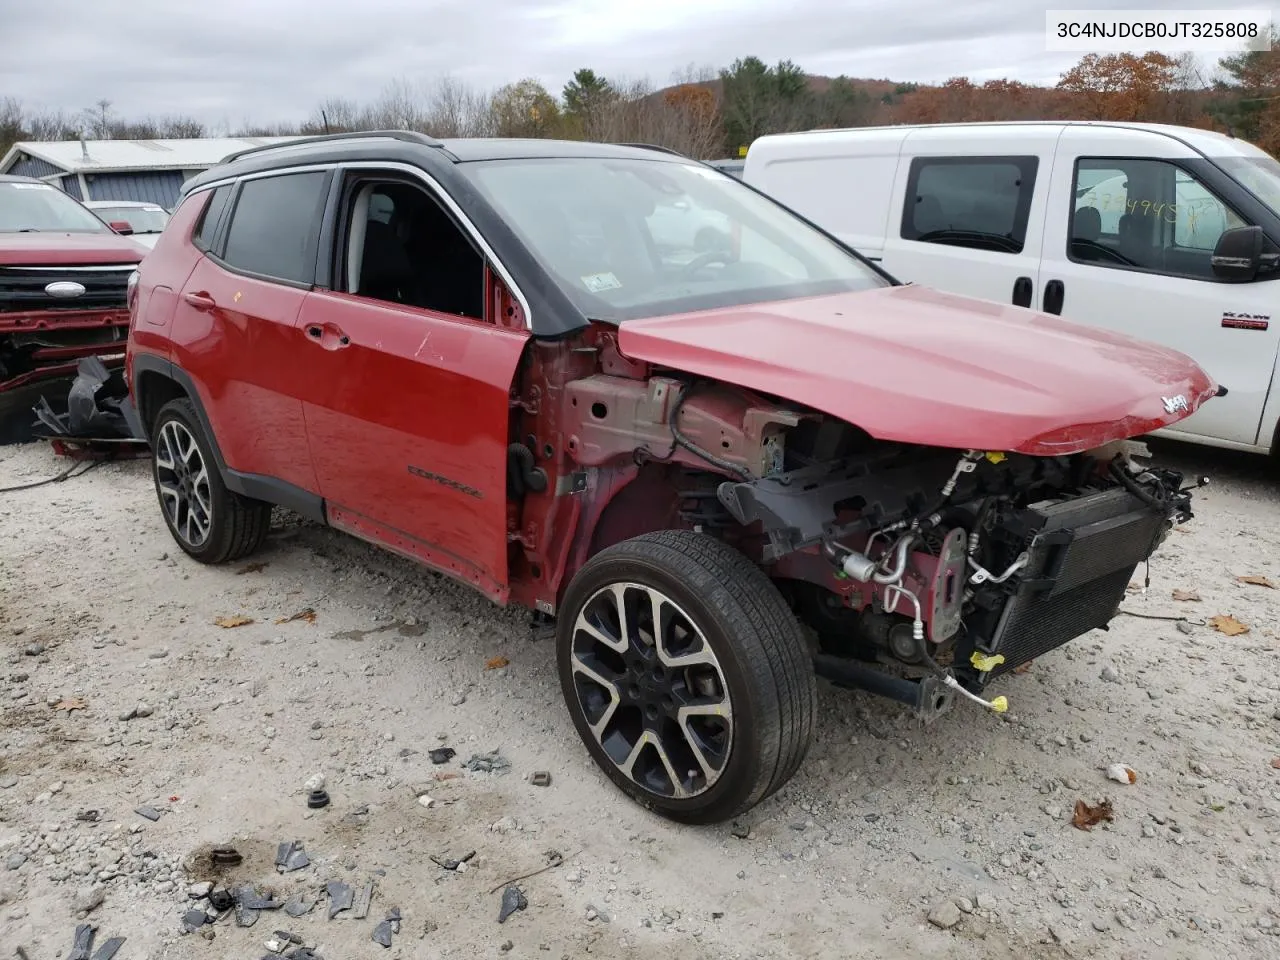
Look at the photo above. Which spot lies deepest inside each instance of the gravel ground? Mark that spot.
(119, 691)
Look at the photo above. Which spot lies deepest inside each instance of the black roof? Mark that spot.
(417, 149)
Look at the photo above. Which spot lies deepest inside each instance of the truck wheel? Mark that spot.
(210, 523)
(686, 674)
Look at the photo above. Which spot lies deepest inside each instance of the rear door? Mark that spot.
(235, 329)
(968, 210)
(1132, 227)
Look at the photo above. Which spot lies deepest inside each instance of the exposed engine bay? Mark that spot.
(953, 567)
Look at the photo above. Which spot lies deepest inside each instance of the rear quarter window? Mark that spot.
(977, 202)
(207, 228)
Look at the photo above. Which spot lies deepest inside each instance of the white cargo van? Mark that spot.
(1165, 233)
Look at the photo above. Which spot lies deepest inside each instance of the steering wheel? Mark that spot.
(705, 260)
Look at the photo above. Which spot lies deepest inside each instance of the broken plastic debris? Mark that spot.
(299, 905)
(317, 799)
(540, 778)
(220, 899)
(193, 920)
(491, 762)
(513, 899)
(109, 949)
(150, 813)
(1122, 774)
(83, 942)
(364, 896)
(291, 856)
(340, 897)
(425, 801)
(225, 856)
(453, 864)
(442, 755)
(985, 663)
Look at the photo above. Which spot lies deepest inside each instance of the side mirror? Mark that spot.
(121, 227)
(1238, 255)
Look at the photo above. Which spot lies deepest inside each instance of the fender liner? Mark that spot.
(253, 485)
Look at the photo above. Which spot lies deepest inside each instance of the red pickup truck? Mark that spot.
(64, 278)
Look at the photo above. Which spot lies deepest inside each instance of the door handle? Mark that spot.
(1022, 292)
(1054, 295)
(328, 336)
(201, 301)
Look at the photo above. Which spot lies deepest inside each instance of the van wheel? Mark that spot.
(209, 522)
(686, 674)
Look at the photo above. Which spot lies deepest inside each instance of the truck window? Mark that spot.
(978, 202)
(274, 226)
(1147, 215)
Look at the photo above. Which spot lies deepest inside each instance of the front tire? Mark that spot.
(708, 714)
(209, 522)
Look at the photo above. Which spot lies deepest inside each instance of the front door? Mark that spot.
(969, 219)
(407, 397)
(1128, 244)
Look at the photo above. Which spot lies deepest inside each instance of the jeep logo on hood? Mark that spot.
(64, 289)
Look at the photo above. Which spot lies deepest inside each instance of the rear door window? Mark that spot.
(978, 202)
(275, 225)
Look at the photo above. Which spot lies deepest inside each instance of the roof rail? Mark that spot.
(408, 136)
(653, 146)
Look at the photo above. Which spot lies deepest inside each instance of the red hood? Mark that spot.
(914, 365)
(67, 249)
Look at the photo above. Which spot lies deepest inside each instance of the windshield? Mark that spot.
(142, 219)
(1259, 175)
(626, 239)
(41, 208)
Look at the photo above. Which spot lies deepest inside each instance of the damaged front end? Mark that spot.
(957, 567)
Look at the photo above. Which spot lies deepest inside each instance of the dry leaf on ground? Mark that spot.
(256, 567)
(71, 703)
(1257, 580)
(495, 663)
(236, 621)
(1024, 667)
(308, 615)
(1188, 595)
(1087, 817)
(1228, 625)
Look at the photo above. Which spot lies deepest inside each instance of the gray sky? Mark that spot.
(237, 61)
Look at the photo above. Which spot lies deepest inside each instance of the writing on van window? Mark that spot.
(1146, 215)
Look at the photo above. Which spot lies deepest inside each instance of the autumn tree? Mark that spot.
(1119, 86)
(524, 109)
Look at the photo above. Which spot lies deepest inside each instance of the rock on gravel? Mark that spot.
(945, 915)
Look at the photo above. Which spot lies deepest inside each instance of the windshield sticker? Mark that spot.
(599, 282)
(31, 186)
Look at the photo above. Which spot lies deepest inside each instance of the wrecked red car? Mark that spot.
(63, 280)
(680, 444)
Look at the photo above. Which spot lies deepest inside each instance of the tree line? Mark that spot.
(708, 113)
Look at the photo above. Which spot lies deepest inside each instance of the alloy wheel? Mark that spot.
(652, 690)
(182, 477)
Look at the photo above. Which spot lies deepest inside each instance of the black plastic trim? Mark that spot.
(259, 487)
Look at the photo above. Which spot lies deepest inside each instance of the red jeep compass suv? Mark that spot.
(483, 355)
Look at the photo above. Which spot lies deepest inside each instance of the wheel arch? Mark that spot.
(158, 381)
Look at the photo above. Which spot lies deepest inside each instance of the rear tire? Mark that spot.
(707, 716)
(209, 522)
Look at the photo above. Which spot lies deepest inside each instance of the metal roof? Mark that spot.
(118, 155)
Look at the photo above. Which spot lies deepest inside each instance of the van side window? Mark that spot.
(977, 202)
(1147, 215)
(274, 226)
